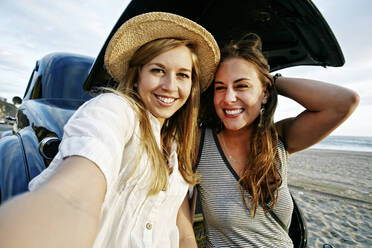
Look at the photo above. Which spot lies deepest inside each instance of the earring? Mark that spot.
(260, 123)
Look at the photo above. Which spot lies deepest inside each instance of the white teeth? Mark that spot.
(166, 99)
(233, 112)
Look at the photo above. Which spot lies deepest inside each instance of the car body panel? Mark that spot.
(6, 133)
(33, 160)
(34, 112)
(13, 167)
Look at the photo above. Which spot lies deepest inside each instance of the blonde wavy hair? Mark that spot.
(180, 128)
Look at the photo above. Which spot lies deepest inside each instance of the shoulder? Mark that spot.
(282, 148)
(281, 144)
(204, 145)
(282, 156)
(106, 115)
(110, 100)
(107, 106)
(203, 134)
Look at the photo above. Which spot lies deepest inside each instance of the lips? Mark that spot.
(165, 99)
(233, 111)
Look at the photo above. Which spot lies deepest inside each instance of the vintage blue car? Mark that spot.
(293, 32)
(52, 95)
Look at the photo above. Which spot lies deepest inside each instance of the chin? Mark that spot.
(233, 127)
(164, 115)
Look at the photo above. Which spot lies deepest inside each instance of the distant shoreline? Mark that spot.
(328, 150)
(345, 143)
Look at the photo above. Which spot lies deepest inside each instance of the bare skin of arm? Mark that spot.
(327, 106)
(63, 212)
(184, 224)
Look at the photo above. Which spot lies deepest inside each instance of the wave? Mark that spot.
(345, 143)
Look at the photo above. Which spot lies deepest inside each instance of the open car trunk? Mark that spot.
(293, 31)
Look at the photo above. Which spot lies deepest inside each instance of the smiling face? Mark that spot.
(238, 93)
(164, 83)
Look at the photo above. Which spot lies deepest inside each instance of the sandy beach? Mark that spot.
(334, 191)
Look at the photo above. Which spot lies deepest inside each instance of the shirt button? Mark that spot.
(148, 226)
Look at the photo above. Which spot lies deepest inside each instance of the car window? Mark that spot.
(64, 78)
(37, 90)
(29, 83)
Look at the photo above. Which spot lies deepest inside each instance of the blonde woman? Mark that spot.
(125, 162)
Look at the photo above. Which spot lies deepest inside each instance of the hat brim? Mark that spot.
(144, 28)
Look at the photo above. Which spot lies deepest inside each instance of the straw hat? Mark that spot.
(144, 28)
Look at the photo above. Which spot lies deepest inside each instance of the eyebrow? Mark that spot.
(235, 81)
(163, 67)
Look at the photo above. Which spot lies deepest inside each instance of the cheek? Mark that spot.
(143, 90)
(186, 89)
(141, 95)
(254, 97)
(261, 98)
(146, 83)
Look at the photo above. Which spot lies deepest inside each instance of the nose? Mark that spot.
(230, 95)
(170, 82)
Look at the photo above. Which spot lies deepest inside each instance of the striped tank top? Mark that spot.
(228, 221)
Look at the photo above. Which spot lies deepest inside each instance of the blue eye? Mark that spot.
(183, 75)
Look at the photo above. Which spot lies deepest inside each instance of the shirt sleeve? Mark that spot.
(98, 131)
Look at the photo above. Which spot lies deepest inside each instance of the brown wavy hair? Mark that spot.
(180, 127)
(261, 179)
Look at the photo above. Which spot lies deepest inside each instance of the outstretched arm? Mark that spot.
(63, 212)
(327, 106)
(184, 224)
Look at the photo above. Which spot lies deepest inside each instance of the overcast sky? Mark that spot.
(31, 29)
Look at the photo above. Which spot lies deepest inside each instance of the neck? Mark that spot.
(241, 136)
(237, 143)
(236, 146)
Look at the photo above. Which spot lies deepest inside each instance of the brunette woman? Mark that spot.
(243, 153)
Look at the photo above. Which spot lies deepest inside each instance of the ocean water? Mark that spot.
(346, 143)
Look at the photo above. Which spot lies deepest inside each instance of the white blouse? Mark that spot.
(106, 131)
